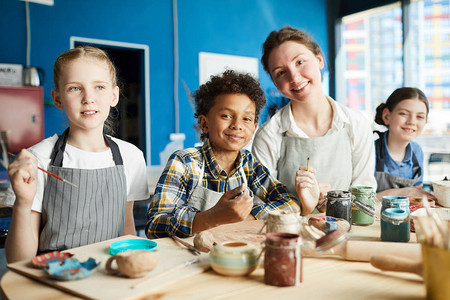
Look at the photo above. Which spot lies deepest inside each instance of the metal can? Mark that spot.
(395, 225)
(365, 195)
(282, 259)
(339, 205)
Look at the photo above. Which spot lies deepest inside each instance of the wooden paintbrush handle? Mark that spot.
(363, 250)
(396, 263)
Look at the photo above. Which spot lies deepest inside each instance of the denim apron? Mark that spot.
(92, 213)
(387, 181)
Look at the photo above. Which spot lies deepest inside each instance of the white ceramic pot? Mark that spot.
(234, 258)
(442, 192)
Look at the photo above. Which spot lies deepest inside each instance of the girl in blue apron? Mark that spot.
(107, 174)
(399, 160)
(337, 140)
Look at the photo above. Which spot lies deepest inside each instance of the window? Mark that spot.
(376, 58)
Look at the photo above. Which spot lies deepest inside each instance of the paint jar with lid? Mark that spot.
(395, 201)
(395, 225)
(282, 259)
(283, 221)
(339, 205)
(364, 195)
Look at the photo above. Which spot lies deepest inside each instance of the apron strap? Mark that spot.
(380, 150)
(56, 158)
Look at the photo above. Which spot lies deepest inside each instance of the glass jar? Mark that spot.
(283, 221)
(395, 201)
(282, 259)
(339, 205)
(365, 195)
(395, 225)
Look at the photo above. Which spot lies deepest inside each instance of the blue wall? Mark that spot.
(236, 27)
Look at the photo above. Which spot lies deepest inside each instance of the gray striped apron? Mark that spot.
(92, 213)
(330, 156)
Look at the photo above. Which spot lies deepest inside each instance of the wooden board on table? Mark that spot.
(101, 285)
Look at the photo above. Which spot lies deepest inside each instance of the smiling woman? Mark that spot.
(338, 141)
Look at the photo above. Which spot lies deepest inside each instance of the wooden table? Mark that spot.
(323, 278)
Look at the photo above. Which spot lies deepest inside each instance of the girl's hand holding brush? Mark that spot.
(23, 175)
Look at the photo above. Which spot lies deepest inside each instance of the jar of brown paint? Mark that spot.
(282, 259)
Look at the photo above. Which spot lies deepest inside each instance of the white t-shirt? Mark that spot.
(267, 141)
(133, 161)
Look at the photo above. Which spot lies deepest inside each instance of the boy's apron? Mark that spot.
(330, 156)
(92, 213)
(203, 198)
(387, 181)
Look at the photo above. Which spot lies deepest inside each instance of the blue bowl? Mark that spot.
(132, 244)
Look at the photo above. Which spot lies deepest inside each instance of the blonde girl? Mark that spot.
(110, 173)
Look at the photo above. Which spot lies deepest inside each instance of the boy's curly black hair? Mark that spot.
(229, 82)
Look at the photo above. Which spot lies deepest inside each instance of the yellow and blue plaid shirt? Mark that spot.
(169, 212)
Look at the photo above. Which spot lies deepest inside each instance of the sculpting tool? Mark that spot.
(51, 174)
(185, 244)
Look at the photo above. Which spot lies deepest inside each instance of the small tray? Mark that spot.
(132, 244)
(43, 260)
(71, 269)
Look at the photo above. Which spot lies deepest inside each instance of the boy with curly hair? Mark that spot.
(219, 182)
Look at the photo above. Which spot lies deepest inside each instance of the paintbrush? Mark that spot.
(51, 174)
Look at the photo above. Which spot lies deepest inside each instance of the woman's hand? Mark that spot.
(23, 173)
(307, 189)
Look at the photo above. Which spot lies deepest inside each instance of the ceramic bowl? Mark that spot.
(234, 258)
(442, 192)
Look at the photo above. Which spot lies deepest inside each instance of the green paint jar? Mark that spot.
(365, 195)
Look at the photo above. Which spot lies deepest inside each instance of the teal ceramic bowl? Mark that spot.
(234, 258)
(132, 244)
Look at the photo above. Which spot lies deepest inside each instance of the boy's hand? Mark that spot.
(22, 173)
(234, 206)
(307, 189)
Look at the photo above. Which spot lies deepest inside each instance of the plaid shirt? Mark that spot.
(169, 212)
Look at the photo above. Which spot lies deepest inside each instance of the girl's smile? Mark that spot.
(407, 120)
